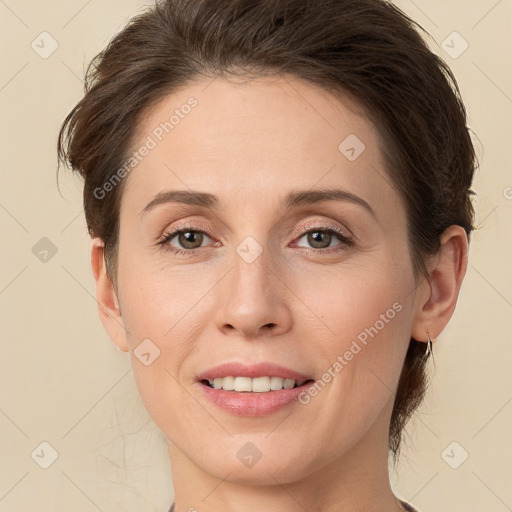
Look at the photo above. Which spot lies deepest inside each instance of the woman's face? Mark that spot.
(263, 277)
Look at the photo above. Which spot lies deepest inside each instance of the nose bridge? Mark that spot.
(252, 297)
(251, 268)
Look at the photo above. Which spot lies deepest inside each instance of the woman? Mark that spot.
(278, 194)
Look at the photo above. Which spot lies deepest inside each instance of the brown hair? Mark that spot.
(367, 50)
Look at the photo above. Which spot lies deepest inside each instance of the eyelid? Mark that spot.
(191, 225)
(304, 229)
(316, 223)
(324, 225)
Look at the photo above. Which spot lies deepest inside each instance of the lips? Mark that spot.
(251, 404)
(264, 369)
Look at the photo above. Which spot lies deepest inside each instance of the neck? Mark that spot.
(356, 480)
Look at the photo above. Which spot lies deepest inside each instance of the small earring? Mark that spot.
(428, 351)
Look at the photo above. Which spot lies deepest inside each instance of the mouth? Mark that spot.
(252, 397)
(264, 384)
(252, 390)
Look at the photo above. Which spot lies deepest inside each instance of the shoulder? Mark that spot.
(407, 507)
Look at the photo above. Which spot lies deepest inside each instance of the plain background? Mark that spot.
(63, 382)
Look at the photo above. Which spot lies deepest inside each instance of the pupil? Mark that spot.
(317, 236)
(188, 238)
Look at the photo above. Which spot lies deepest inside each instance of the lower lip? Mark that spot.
(250, 403)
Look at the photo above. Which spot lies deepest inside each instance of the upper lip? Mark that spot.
(264, 369)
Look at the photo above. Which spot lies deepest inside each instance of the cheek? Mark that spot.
(165, 310)
(362, 329)
(350, 300)
(159, 300)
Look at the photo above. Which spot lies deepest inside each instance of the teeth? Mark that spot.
(256, 385)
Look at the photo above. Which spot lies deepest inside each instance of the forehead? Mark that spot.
(262, 136)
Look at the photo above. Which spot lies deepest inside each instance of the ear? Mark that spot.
(435, 306)
(106, 298)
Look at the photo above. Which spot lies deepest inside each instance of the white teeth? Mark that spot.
(256, 385)
(260, 384)
(243, 384)
(276, 383)
(227, 383)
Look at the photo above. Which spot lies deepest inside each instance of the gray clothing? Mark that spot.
(407, 507)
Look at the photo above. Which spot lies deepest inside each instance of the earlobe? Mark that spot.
(446, 273)
(106, 298)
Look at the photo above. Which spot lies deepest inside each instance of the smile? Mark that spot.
(253, 385)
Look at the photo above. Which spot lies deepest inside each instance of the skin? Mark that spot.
(250, 144)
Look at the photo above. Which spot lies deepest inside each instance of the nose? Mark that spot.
(253, 301)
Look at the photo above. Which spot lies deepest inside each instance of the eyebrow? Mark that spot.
(292, 200)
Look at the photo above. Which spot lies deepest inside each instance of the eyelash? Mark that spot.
(168, 236)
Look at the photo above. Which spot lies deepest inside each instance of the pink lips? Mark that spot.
(248, 403)
(252, 371)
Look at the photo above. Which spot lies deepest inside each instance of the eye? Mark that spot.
(321, 238)
(191, 239)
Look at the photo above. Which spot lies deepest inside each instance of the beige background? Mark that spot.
(62, 380)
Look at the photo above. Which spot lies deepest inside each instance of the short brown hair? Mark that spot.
(367, 50)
